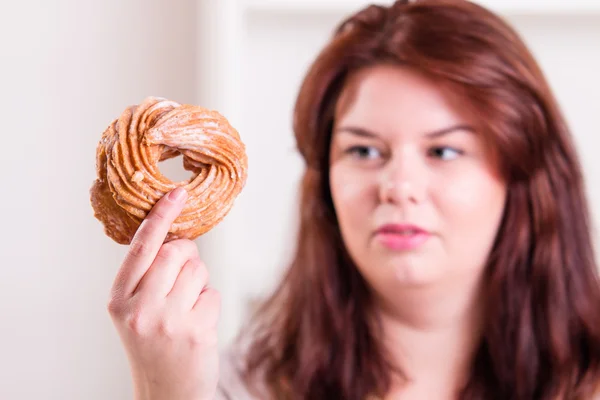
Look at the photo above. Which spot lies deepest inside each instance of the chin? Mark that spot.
(401, 269)
(410, 277)
(408, 270)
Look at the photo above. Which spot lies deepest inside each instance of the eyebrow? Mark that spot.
(435, 134)
(451, 129)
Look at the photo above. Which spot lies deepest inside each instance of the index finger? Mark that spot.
(148, 239)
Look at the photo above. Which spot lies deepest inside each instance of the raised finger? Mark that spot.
(148, 239)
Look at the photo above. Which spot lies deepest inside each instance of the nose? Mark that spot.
(403, 181)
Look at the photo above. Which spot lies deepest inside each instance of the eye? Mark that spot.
(445, 153)
(364, 152)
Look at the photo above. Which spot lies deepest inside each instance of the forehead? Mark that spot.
(391, 98)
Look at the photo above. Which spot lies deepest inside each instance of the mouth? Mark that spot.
(401, 236)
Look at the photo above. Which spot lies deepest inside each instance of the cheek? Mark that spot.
(352, 194)
(472, 203)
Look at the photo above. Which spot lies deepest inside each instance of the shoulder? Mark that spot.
(231, 386)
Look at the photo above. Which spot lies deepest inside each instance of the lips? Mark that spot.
(401, 236)
(401, 229)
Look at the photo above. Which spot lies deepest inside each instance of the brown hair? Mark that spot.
(312, 338)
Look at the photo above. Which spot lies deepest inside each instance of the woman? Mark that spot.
(444, 248)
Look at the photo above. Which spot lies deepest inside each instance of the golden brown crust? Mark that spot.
(129, 181)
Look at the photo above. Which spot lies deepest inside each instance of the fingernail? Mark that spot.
(177, 194)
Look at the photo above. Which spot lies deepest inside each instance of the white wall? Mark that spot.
(69, 66)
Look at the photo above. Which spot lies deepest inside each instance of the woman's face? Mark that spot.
(417, 198)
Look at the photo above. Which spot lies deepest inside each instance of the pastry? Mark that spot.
(129, 181)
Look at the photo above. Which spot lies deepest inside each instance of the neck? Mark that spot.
(432, 333)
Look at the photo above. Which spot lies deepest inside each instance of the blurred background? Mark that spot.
(69, 67)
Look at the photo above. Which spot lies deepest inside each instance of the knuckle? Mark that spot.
(193, 249)
(115, 307)
(137, 318)
(196, 267)
(188, 247)
(198, 272)
(137, 323)
(139, 248)
(199, 268)
(213, 295)
(116, 303)
(168, 251)
(166, 327)
(180, 248)
(158, 213)
(190, 268)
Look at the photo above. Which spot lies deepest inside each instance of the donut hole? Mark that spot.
(172, 169)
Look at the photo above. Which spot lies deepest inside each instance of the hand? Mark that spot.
(164, 313)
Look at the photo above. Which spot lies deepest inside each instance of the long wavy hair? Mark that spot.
(313, 338)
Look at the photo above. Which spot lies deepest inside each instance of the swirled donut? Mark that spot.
(129, 182)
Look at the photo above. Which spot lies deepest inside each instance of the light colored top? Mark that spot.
(231, 385)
